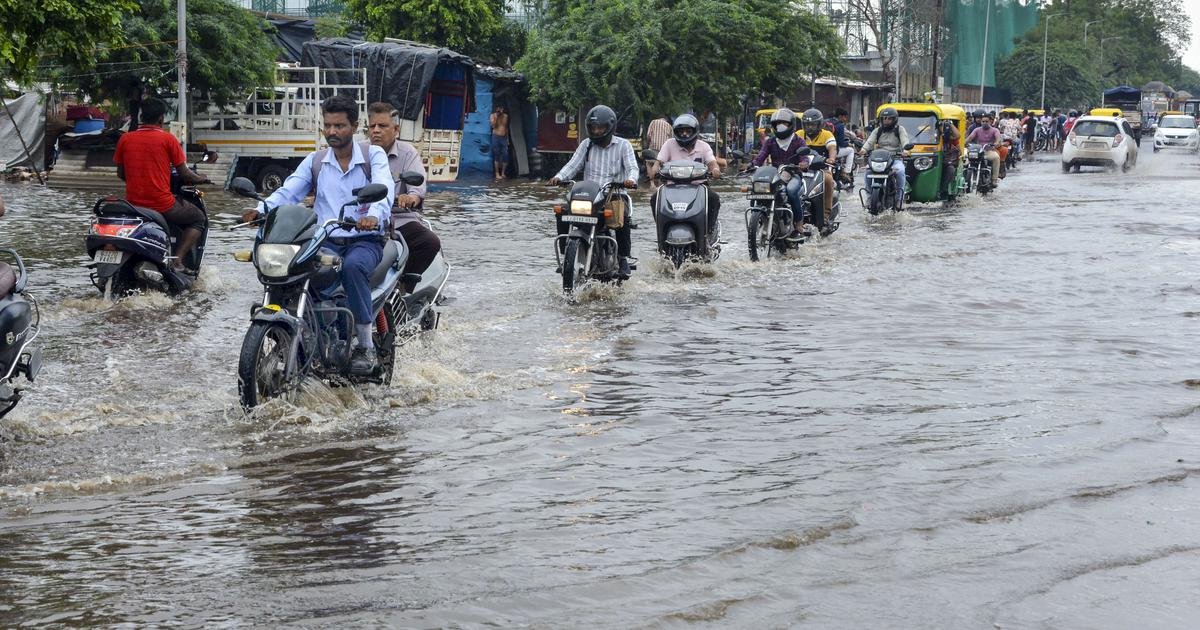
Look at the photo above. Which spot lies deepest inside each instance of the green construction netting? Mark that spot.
(965, 19)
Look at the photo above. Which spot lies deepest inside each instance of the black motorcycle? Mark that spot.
(879, 194)
(132, 247)
(681, 213)
(769, 219)
(19, 318)
(978, 175)
(303, 327)
(588, 250)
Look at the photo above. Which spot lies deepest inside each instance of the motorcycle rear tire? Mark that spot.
(753, 229)
(254, 386)
(572, 270)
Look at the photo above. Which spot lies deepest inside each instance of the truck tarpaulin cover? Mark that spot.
(1122, 93)
(397, 73)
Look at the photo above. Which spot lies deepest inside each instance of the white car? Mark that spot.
(1100, 141)
(1177, 131)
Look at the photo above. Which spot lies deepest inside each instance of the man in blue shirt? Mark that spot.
(341, 168)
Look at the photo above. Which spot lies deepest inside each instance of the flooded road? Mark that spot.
(986, 416)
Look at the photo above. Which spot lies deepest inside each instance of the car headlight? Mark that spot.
(762, 188)
(273, 259)
(879, 166)
(923, 163)
(581, 206)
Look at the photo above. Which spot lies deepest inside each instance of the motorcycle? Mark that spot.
(19, 320)
(769, 219)
(1012, 156)
(302, 327)
(588, 250)
(132, 247)
(681, 214)
(979, 169)
(879, 194)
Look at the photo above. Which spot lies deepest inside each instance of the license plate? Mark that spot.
(571, 218)
(1094, 145)
(762, 196)
(439, 160)
(108, 257)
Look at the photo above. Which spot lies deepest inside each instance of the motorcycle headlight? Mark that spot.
(273, 259)
(581, 206)
(879, 166)
(762, 188)
(923, 163)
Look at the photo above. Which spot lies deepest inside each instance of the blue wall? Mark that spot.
(476, 160)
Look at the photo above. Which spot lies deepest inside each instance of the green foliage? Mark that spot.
(457, 24)
(658, 56)
(1189, 81)
(228, 53)
(1144, 38)
(70, 29)
(503, 48)
(1071, 79)
(330, 26)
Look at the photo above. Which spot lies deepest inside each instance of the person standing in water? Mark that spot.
(499, 121)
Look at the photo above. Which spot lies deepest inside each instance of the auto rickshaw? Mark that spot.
(762, 126)
(1109, 112)
(925, 162)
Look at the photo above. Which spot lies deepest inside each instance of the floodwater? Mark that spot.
(985, 416)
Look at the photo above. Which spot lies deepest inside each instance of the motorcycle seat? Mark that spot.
(122, 208)
(391, 253)
(8, 280)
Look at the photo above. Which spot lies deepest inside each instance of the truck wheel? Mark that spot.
(271, 177)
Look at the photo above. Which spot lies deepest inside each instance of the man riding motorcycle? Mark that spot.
(687, 145)
(891, 135)
(986, 134)
(339, 170)
(845, 153)
(604, 158)
(407, 222)
(783, 148)
(816, 135)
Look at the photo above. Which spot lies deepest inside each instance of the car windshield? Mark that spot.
(764, 120)
(1178, 122)
(921, 128)
(1095, 128)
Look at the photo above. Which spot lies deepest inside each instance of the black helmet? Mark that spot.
(686, 129)
(601, 121)
(812, 120)
(979, 113)
(783, 116)
(888, 112)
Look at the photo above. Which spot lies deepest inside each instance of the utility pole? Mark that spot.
(987, 24)
(1085, 27)
(181, 62)
(1045, 40)
(937, 40)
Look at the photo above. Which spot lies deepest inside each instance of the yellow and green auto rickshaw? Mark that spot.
(927, 155)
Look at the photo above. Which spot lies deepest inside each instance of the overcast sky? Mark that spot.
(1192, 56)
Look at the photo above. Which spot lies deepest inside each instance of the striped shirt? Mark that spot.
(658, 133)
(613, 163)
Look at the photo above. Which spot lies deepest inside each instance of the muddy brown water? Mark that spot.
(970, 417)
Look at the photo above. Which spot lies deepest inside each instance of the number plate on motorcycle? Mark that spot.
(571, 218)
(763, 196)
(108, 257)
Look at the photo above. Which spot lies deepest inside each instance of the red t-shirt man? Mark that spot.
(147, 156)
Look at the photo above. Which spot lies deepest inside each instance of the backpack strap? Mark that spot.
(319, 158)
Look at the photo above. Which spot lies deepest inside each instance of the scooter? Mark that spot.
(588, 250)
(812, 193)
(681, 213)
(132, 247)
(19, 319)
(302, 327)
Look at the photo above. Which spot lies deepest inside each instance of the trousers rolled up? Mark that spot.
(360, 256)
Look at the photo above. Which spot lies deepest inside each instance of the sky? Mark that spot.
(1191, 57)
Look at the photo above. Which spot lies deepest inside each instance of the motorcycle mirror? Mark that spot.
(412, 178)
(244, 187)
(370, 193)
(210, 157)
(650, 154)
(737, 155)
(909, 146)
(805, 151)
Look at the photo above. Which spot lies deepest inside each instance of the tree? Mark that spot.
(656, 56)
(229, 53)
(457, 24)
(72, 31)
(1072, 79)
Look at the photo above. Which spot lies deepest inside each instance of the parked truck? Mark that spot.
(1129, 100)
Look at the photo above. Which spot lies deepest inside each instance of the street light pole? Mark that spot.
(1102, 40)
(987, 21)
(1045, 41)
(1085, 27)
(181, 61)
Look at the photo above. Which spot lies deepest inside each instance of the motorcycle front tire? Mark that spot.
(262, 365)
